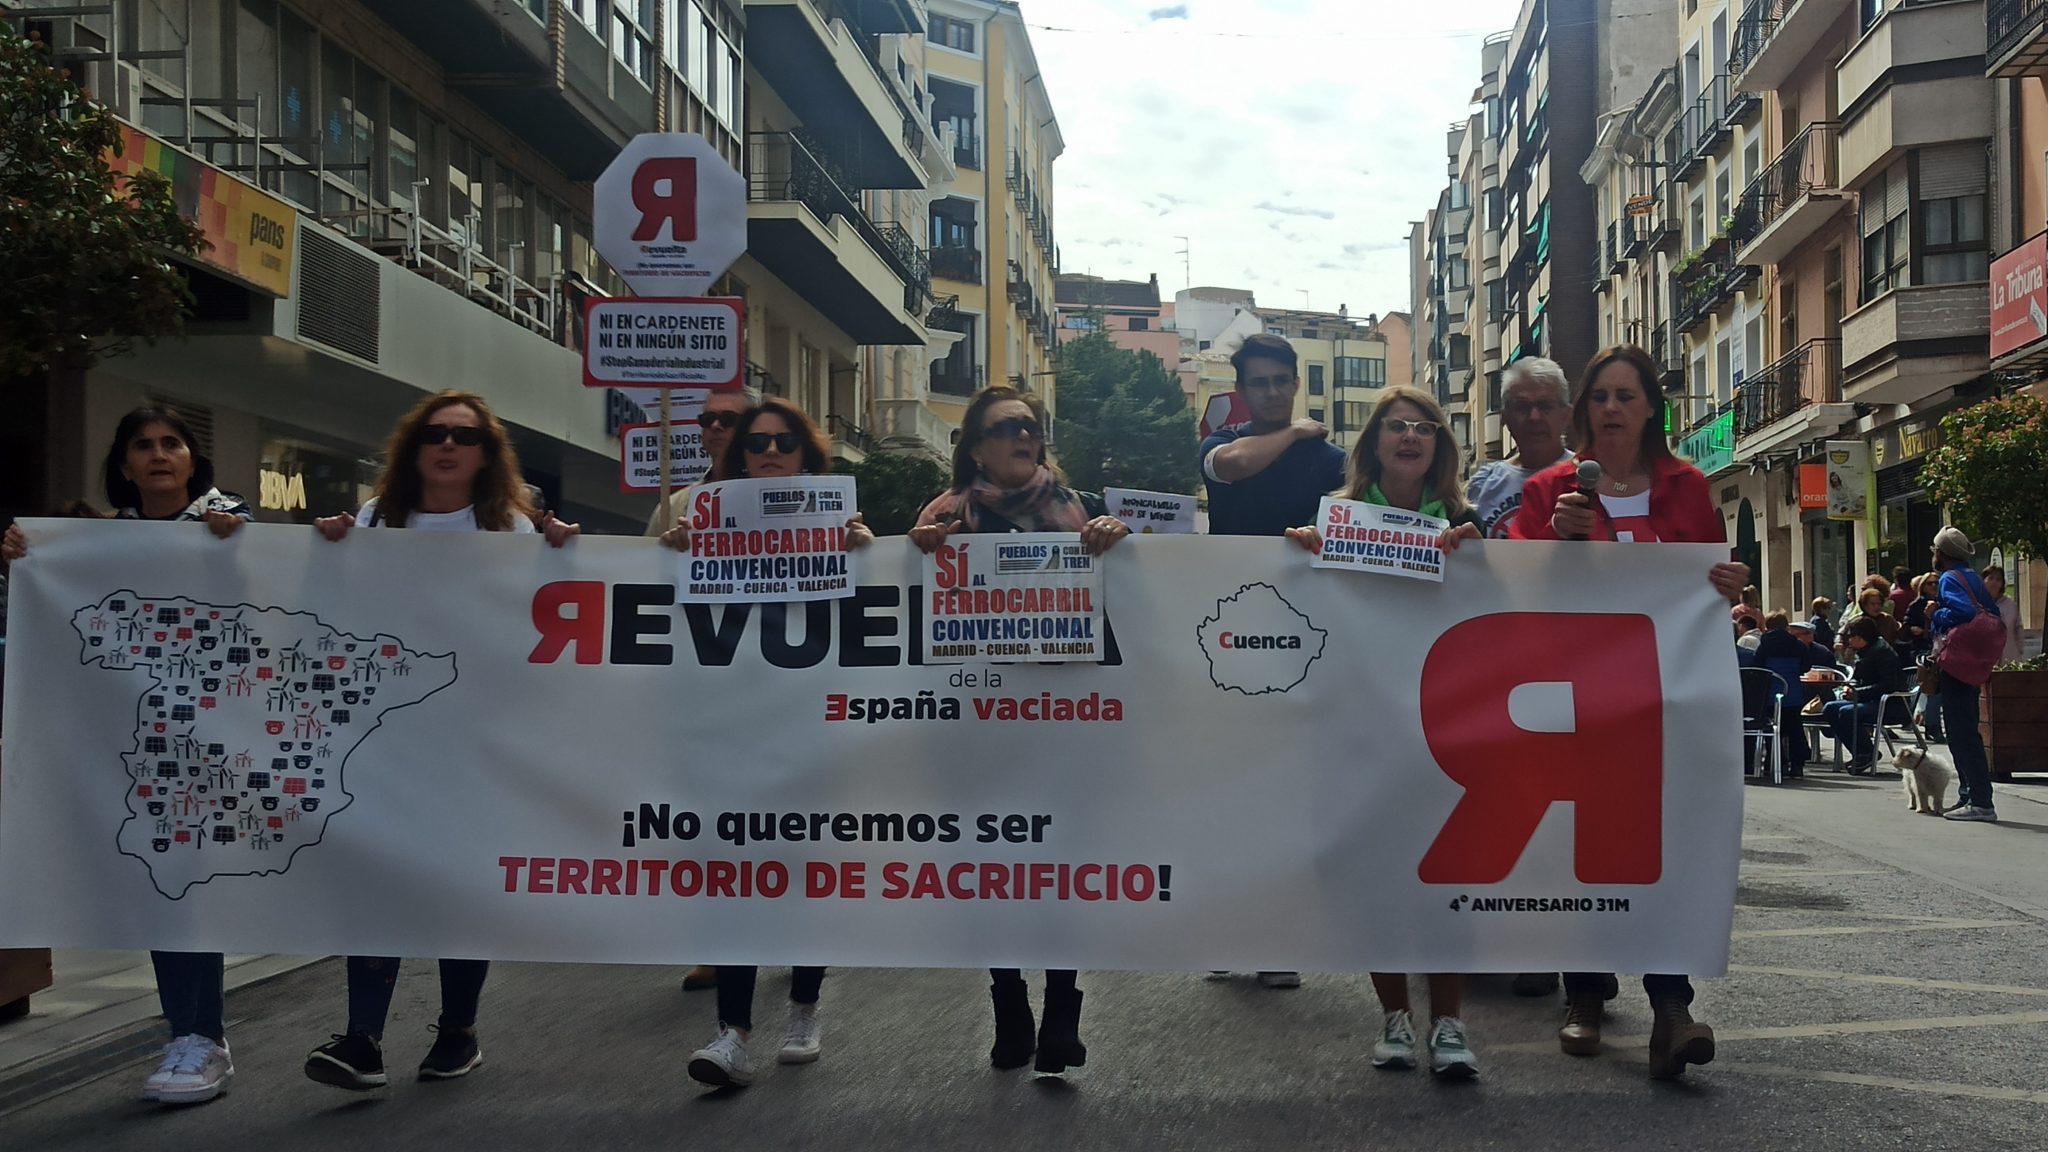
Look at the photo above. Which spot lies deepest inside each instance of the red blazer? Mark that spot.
(1681, 509)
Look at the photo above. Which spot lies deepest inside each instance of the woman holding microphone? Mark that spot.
(1002, 483)
(1645, 495)
(1407, 458)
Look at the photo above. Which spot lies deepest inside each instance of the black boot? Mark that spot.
(1059, 1035)
(1013, 1045)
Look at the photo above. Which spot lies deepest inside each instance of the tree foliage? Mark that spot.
(1992, 472)
(86, 252)
(894, 487)
(1123, 420)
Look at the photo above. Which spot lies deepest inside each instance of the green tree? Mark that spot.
(1123, 420)
(894, 487)
(86, 253)
(1992, 472)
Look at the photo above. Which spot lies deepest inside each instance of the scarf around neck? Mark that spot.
(1041, 504)
(1431, 506)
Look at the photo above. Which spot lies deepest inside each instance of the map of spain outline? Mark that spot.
(246, 711)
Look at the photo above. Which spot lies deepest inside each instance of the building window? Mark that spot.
(1140, 323)
(1315, 414)
(1315, 379)
(950, 33)
(1886, 226)
(955, 104)
(632, 40)
(1952, 230)
(1461, 356)
(1352, 414)
(1696, 222)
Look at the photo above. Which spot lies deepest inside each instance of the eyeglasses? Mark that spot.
(719, 419)
(1422, 428)
(1526, 409)
(785, 442)
(462, 434)
(1014, 427)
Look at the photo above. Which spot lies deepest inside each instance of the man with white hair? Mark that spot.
(721, 415)
(1536, 405)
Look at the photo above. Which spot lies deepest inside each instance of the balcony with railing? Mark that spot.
(805, 226)
(1915, 342)
(953, 379)
(816, 54)
(2018, 32)
(1806, 382)
(1712, 277)
(1793, 197)
(957, 263)
(1914, 80)
(1716, 120)
(1773, 36)
(1681, 145)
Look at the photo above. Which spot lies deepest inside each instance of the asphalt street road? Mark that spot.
(1889, 990)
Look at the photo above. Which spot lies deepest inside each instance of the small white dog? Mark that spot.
(1925, 773)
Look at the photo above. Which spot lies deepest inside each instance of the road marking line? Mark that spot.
(1803, 870)
(1896, 981)
(1637, 1044)
(1850, 913)
(1925, 1087)
(1765, 933)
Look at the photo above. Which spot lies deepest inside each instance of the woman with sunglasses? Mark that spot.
(449, 467)
(1645, 495)
(152, 471)
(1407, 458)
(1002, 483)
(773, 439)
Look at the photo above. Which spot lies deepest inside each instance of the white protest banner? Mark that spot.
(1160, 513)
(1361, 537)
(471, 744)
(1019, 596)
(640, 456)
(760, 541)
(673, 342)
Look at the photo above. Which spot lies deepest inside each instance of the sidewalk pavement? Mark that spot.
(100, 1012)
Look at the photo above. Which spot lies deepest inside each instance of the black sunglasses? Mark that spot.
(720, 419)
(442, 433)
(1014, 427)
(785, 442)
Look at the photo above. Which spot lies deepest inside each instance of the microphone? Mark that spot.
(1589, 485)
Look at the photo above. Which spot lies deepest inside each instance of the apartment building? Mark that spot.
(993, 249)
(1130, 311)
(422, 174)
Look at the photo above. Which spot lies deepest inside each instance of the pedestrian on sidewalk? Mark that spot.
(449, 467)
(1963, 599)
(1916, 647)
(152, 471)
(772, 439)
(1406, 458)
(1645, 495)
(1271, 473)
(1002, 482)
(2008, 612)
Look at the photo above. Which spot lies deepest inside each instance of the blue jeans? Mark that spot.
(1854, 722)
(191, 987)
(1965, 743)
(372, 980)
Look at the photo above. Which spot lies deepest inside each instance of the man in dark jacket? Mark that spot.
(1878, 671)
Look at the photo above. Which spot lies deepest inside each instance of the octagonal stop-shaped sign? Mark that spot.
(670, 214)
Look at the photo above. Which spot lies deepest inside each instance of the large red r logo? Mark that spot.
(678, 205)
(1610, 767)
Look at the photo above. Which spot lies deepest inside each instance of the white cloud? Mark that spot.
(1231, 116)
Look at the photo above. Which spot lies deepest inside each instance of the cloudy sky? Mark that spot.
(1291, 140)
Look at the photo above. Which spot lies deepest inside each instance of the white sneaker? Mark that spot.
(194, 1070)
(800, 1040)
(1450, 1056)
(1978, 815)
(723, 1062)
(1396, 1046)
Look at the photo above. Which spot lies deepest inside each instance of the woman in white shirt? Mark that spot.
(2008, 611)
(449, 467)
